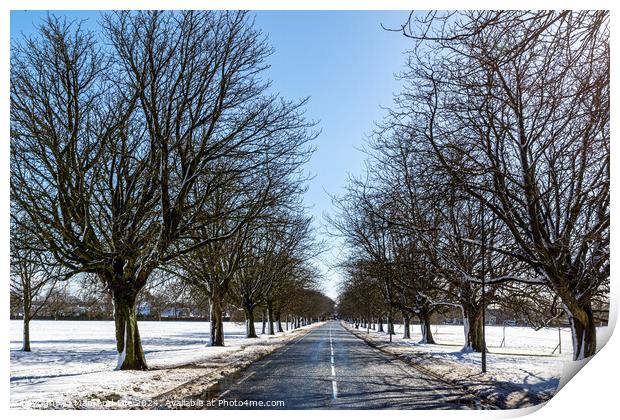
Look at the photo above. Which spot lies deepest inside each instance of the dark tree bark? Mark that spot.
(583, 334)
(270, 320)
(472, 326)
(27, 307)
(26, 336)
(217, 321)
(279, 323)
(406, 326)
(250, 330)
(128, 345)
(123, 283)
(390, 325)
(425, 326)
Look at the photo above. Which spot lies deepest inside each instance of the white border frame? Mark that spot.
(591, 394)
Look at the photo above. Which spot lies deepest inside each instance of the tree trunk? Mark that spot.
(128, 344)
(425, 326)
(217, 321)
(406, 329)
(380, 321)
(26, 344)
(27, 307)
(264, 321)
(583, 334)
(390, 325)
(250, 330)
(270, 329)
(472, 326)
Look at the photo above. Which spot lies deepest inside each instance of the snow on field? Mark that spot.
(72, 362)
(517, 339)
(521, 372)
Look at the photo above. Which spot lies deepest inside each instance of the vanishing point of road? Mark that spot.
(331, 368)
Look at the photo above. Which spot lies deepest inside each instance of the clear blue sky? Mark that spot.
(345, 62)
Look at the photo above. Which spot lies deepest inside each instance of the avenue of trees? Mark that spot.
(153, 148)
(493, 164)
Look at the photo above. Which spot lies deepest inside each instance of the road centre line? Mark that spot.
(334, 383)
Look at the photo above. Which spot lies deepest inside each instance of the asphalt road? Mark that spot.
(330, 368)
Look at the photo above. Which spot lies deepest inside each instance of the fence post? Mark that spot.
(559, 346)
(503, 344)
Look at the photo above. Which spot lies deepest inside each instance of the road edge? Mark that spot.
(225, 373)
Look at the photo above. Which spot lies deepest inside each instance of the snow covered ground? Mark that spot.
(71, 363)
(521, 372)
(517, 339)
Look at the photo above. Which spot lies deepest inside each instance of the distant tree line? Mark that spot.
(168, 298)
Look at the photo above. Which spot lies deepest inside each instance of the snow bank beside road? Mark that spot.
(521, 374)
(71, 363)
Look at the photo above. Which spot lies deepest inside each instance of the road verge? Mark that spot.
(492, 394)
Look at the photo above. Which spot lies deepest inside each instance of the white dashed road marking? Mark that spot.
(331, 349)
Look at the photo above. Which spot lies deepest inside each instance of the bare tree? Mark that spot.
(275, 244)
(515, 106)
(116, 151)
(33, 277)
(210, 270)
